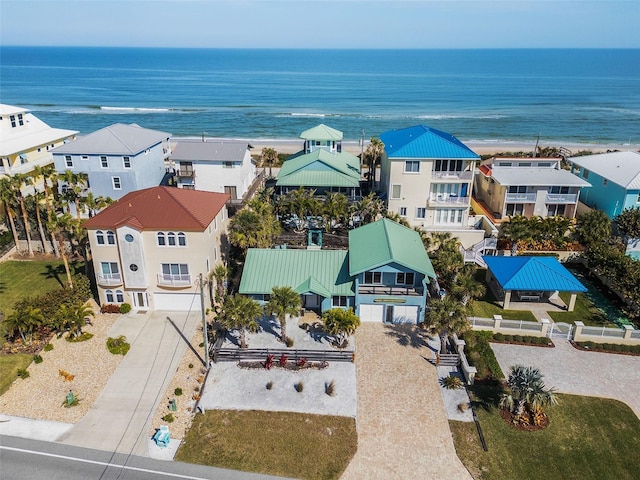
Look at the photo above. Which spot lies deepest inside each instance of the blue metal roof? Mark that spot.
(532, 273)
(424, 142)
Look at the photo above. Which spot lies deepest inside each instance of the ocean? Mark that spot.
(579, 96)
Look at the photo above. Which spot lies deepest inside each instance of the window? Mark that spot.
(20, 120)
(504, 164)
(514, 209)
(561, 190)
(524, 164)
(128, 238)
(544, 164)
(518, 189)
(110, 269)
(171, 239)
(339, 301)
(126, 162)
(604, 182)
(119, 296)
(85, 157)
(68, 161)
(175, 269)
(99, 237)
(421, 212)
(133, 267)
(403, 278)
(182, 239)
(448, 166)
(396, 191)
(372, 277)
(116, 183)
(111, 237)
(555, 210)
(13, 121)
(104, 163)
(448, 216)
(402, 211)
(585, 173)
(412, 166)
(109, 295)
(638, 199)
(161, 239)
(227, 164)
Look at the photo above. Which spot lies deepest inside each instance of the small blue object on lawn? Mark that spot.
(162, 437)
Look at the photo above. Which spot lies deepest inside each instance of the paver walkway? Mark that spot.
(402, 425)
(582, 373)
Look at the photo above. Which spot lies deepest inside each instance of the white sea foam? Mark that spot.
(134, 109)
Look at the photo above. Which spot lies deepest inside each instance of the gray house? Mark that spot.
(118, 159)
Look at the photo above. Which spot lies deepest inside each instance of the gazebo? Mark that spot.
(531, 279)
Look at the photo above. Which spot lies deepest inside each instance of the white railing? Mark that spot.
(625, 335)
(500, 325)
(562, 197)
(450, 200)
(452, 175)
(520, 197)
(109, 279)
(174, 280)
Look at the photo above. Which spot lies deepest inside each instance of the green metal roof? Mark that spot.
(321, 132)
(383, 242)
(324, 272)
(320, 168)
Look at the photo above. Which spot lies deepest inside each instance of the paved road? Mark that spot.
(582, 373)
(403, 432)
(119, 420)
(23, 459)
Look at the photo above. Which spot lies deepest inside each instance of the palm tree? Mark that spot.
(75, 184)
(340, 323)
(284, 301)
(48, 174)
(8, 200)
(95, 204)
(56, 225)
(517, 229)
(467, 289)
(336, 208)
(17, 182)
(373, 154)
(269, 155)
(368, 209)
(72, 318)
(240, 313)
(36, 198)
(220, 273)
(25, 321)
(527, 389)
(446, 317)
(593, 227)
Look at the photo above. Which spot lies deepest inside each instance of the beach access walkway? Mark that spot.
(402, 424)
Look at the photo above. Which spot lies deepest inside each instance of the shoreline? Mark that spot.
(481, 147)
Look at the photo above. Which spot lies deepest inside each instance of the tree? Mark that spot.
(284, 301)
(48, 174)
(340, 323)
(629, 222)
(254, 229)
(373, 154)
(446, 317)
(17, 182)
(517, 229)
(240, 313)
(593, 227)
(527, 389)
(269, 156)
(75, 185)
(466, 288)
(35, 200)
(71, 318)
(366, 210)
(95, 204)
(56, 225)
(8, 201)
(25, 321)
(335, 211)
(219, 273)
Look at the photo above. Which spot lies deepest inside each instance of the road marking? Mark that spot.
(105, 464)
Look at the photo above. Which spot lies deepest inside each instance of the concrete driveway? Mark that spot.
(582, 373)
(119, 420)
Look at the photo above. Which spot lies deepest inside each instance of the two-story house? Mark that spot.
(506, 187)
(383, 276)
(215, 166)
(149, 247)
(614, 179)
(426, 177)
(26, 142)
(117, 159)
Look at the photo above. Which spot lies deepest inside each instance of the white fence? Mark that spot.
(624, 336)
(512, 327)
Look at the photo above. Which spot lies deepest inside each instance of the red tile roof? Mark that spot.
(161, 208)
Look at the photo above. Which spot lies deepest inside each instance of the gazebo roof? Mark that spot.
(532, 273)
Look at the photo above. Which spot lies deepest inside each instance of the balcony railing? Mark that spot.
(186, 174)
(452, 175)
(562, 198)
(171, 280)
(520, 197)
(453, 200)
(388, 290)
(109, 279)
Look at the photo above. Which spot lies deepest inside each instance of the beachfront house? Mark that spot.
(149, 247)
(384, 275)
(614, 179)
(213, 166)
(118, 159)
(321, 166)
(426, 177)
(505, 187)
(27, 142)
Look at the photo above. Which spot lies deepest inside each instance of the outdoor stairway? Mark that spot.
(475, 253)
(446, 360)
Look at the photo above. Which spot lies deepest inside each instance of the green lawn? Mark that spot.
(488, 306)
(584, 311)
(277, 443)
(588, 438)
(9, 366)
(19, 279)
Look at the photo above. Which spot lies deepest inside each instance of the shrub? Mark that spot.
(125, 308)
(191, 365)
(301, 362)
(269, 362)
(177, 392)
(269, 385)
(70, 400)
(508, 338)
(463, 407)
(299, 387)
(110, 308)
(118, 346)
(283, 360)
(518, 338)
(23, 373)
(80, 338)
(168, 418)
(498, 337)
(196, 388)
(37, 358)
(289, 342)
(451, 382)
(48, 347)
(330, 388)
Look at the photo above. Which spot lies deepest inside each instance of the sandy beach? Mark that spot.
(484, 147)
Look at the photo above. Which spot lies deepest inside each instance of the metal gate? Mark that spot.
(561, 330)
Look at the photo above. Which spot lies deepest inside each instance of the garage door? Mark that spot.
(405, 314)
(371, 313)
(176, 302)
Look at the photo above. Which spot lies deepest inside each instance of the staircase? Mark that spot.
(475, 253)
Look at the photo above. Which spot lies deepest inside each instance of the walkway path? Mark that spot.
(119, 420)
(582, 373)
(402, 425)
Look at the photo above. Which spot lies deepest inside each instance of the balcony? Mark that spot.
(186, 175)
(451, 200)
(171, 280)
(452, 175)
(521, 197)
(562, 198)
(389, 290)
(109, 279)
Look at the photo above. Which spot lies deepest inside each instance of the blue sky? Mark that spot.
(323, 24)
